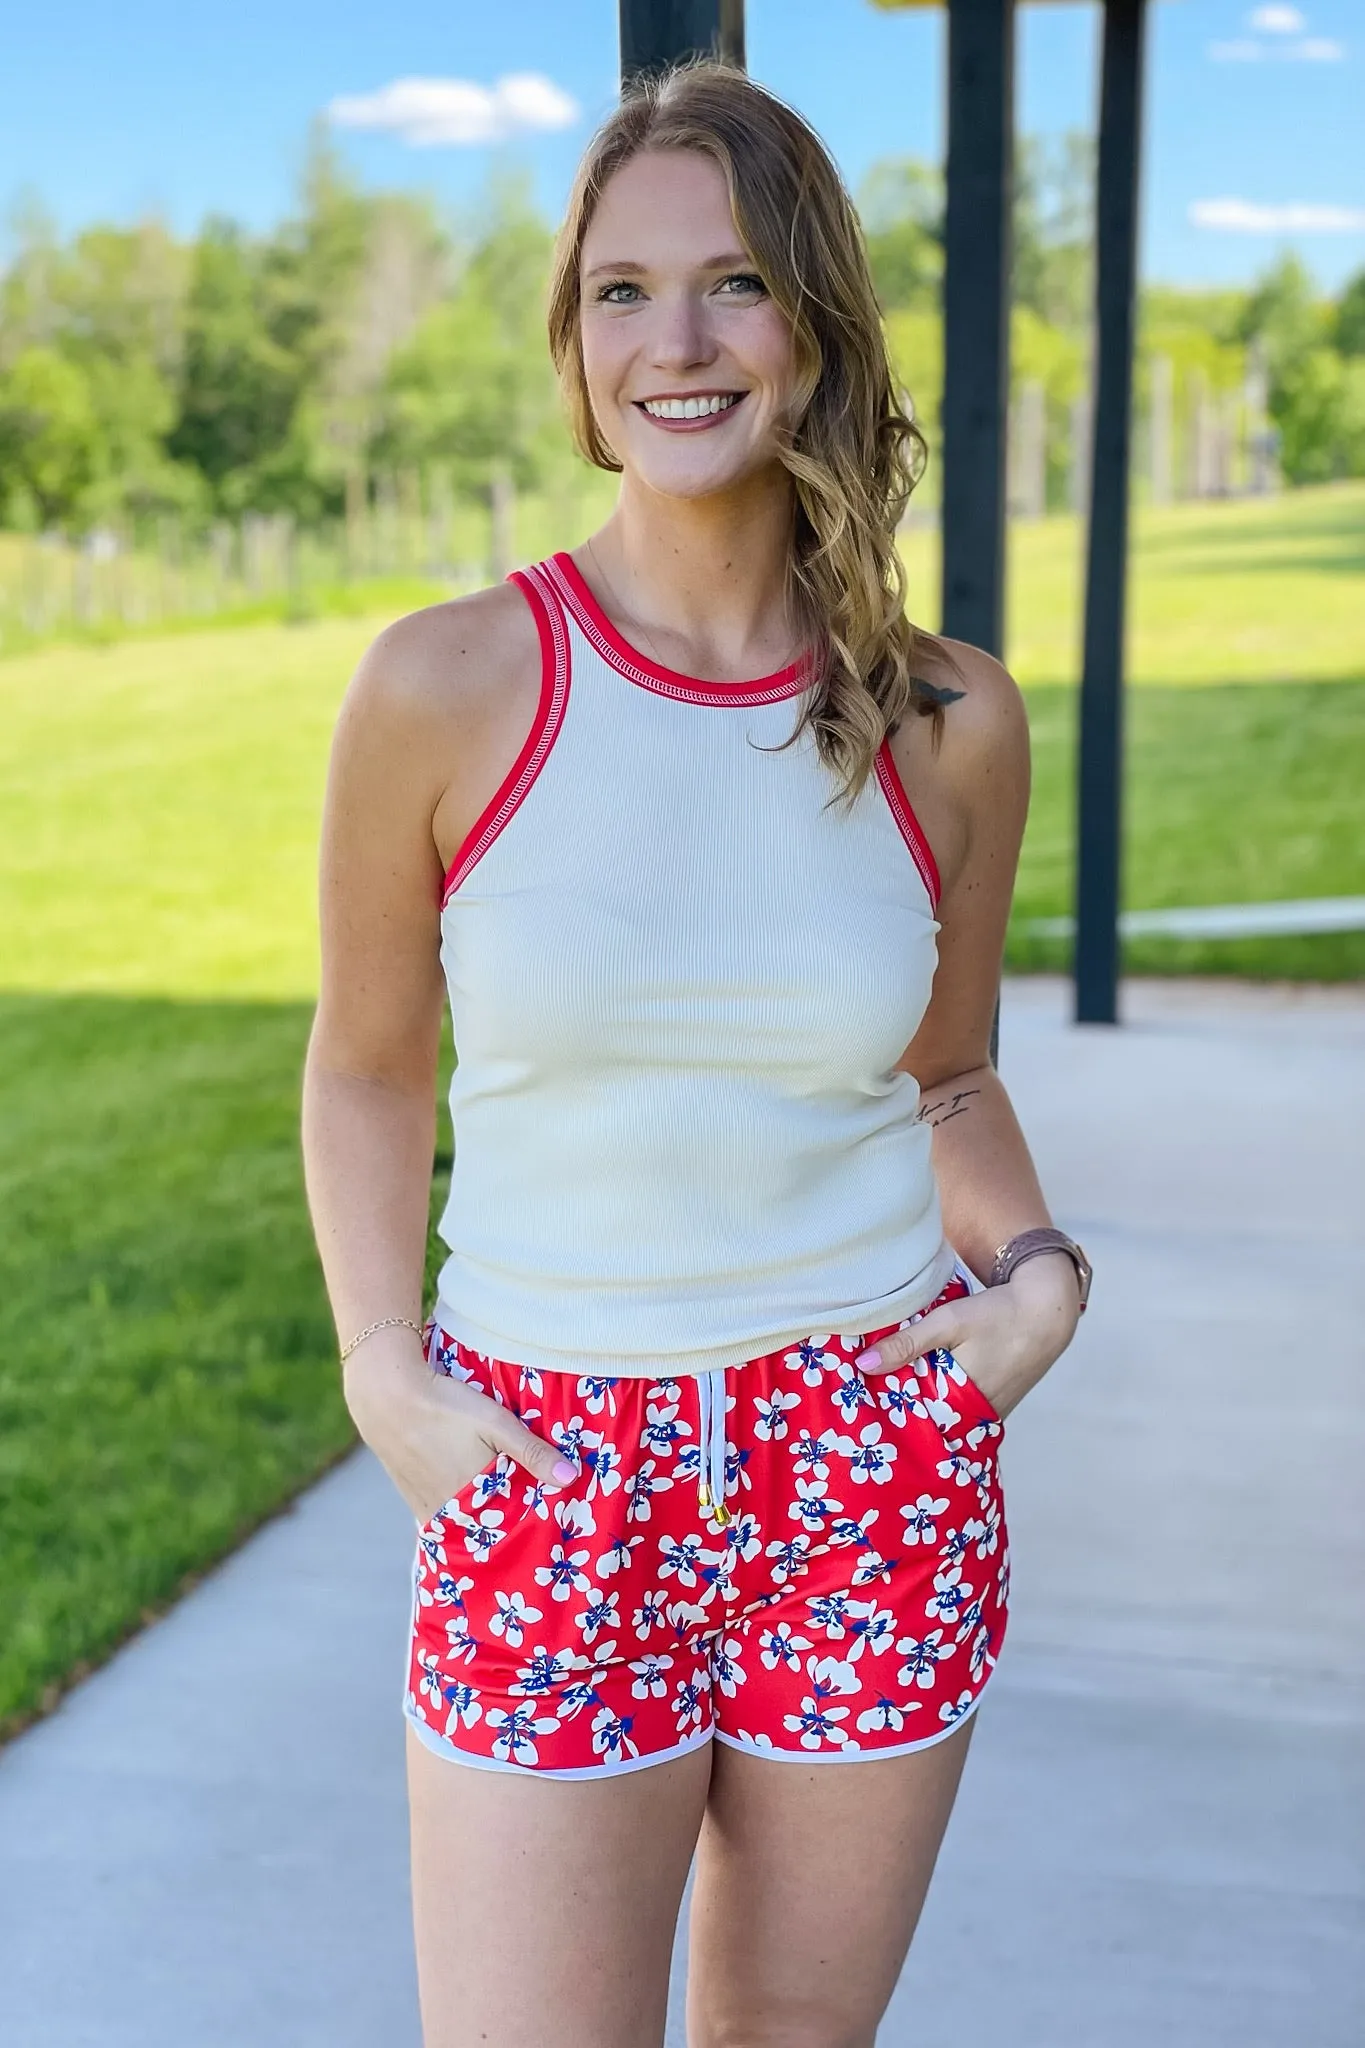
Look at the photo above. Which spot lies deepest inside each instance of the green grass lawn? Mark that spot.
(167, 1374)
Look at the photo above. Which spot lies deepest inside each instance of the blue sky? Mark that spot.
(1254, 134)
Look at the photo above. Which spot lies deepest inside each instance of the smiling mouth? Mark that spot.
(695, 409)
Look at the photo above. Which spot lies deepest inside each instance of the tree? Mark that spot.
(1350, 320)
(50, 446)
(901, 205)
(1054, 201)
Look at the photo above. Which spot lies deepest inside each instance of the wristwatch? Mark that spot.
(1028, 1245)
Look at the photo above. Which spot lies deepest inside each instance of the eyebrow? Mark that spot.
(732, 260)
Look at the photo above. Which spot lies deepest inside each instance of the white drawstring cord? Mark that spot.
(711, 1472)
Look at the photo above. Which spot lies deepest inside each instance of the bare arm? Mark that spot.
(988, 1187)
(369, 1114)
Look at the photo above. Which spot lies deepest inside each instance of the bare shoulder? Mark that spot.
(447, 663)
(986, 726)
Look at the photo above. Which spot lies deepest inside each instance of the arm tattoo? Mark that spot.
(936, 1113)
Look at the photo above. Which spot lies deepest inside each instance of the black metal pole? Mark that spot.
(976, 326)
(976, 317)
(1099, 789)
(657, 33)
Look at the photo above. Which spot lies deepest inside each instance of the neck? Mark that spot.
(706, 574)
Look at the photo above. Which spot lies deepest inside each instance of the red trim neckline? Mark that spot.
(638, 668)
(911, 831)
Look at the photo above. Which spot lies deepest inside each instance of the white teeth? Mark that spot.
(687, 408)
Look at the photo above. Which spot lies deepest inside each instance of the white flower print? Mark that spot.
(898, 1402)
(920, 1526)
(529, 1382)
(650, 1613)
(643, 1483)
(517, 1729)
(616, 1557)
(829, 1611)
(650, 1682)
(886, 1716)
(955, 1546)
(568, 1437)
(853, 1529)
(871, 1627)
(772, 1421)
(511, 1618)
(599, 1614)
(778, 1645)
(958, 1467)
(575, 1517)
(463, 1701)
(689, 1702)
(575, 1698)
(604, 1462)
(481, 1537)
(984, 1530)
(852, 1393)
(953, 1710)
(949, 1596)
(869, 1457)
(812, 1508)
(495, 1484)
(744, 1537)
(812, 1453)
(597, 1393)
(726, 1670)
(818, 1722)
(611, 1734)
(546, 1670)
(980, 1656)
(871, 1568)
(791, 1559)
(680, 1559)
(432, 1679)
(809, 1359)
(564, 1574)
(662, 1427)
(666, 1390)
(920, 1658)
(461, 1646)
(448, 1591)
(682, 1617)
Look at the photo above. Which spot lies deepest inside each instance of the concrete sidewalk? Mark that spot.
(1160, 1834)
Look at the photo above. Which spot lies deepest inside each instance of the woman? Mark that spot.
(702, 1438)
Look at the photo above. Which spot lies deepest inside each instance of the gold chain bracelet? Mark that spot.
(384, 1323)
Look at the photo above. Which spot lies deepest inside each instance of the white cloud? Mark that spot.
(1277, 21)
(1245, 217)
(432, 113)
(1246, 50)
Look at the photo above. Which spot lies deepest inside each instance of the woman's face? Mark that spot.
(675, 321)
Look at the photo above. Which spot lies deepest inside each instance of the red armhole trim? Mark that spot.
(554, 697)
(894, 791)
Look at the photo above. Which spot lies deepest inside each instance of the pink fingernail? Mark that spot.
(563, 1471)
(871, 1359)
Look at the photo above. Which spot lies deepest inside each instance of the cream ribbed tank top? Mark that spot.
(679, 987)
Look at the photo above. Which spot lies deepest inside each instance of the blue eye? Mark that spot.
(746, 279)
(621, 284)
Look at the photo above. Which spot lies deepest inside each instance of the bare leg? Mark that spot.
(544, 1911)
(810, 1879)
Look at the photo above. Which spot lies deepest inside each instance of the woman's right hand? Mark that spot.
(431, 1433)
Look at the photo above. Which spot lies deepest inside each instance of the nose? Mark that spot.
(682, 337)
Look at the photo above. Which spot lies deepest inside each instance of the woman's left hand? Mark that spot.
(1004, 1339)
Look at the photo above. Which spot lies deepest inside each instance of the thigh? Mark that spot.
(544, 1909)
(810, 1879)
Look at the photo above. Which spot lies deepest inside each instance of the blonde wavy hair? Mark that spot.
(850, 445)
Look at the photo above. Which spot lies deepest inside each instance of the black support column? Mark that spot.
(1099, 835)
(656, 33)
(976, 314)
